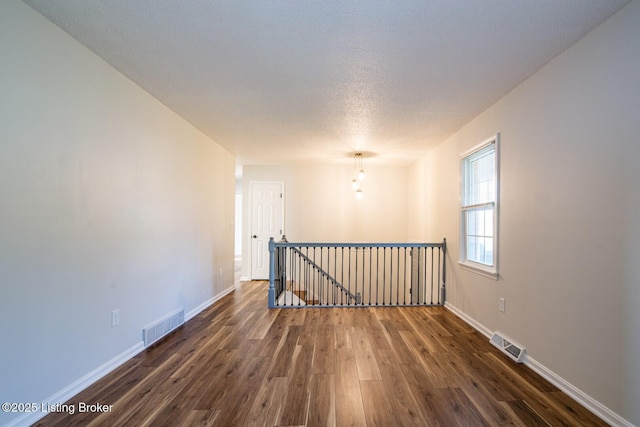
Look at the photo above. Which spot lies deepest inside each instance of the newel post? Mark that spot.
(272, 273)
(444, 270)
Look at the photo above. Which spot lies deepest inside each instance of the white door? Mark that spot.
(267, 220)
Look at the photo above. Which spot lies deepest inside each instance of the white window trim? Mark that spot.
(481, 269)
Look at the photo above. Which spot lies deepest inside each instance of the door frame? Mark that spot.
(249, 239)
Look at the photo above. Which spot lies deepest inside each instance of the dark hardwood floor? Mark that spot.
(241, 364)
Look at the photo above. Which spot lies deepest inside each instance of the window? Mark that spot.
(479, 208)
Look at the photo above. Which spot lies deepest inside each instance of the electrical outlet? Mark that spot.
(501, 304)
(115, 318)
(220, 271)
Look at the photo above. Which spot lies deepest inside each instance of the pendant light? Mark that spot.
(355, 182)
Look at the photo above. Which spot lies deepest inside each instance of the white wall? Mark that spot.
(108, 200)
(320, 205)
(569, 214)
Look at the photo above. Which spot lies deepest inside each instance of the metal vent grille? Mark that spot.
(162, 327)
(508, 347)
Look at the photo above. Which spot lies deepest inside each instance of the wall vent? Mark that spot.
(154, 332)
(508, 347)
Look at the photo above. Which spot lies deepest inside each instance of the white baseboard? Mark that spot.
(606, 414)
(76, 387)
(193, 313)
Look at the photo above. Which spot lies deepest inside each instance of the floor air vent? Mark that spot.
(162, 327)
(514, 351)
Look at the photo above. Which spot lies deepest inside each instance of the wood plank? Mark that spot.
(427, 396)
(272, 340)
(294, 317)
(262, 325)
(267, 404)
(324, 356)
(377, 408)
(322, 412)
(242, 393)
(360, 317)
(150, 408)
(296, 403)
(202, 356)
(201, 376)
(378, 335)
(326, 317)
(433, 339)
(438, 370)
(579, 414)
(492, 410)
(342, 317)
(405, 407)
(365, 357)
(421, 341)
(496, 379)
(349, 409)
(403, 354)
(223, 378)
(461, 407)
(281, 363)
(415, 344)
(309, 331)
(342, 337)
(526, 414)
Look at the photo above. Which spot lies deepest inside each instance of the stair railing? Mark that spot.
(356, 274)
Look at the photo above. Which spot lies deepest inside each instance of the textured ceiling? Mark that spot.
(294, 81)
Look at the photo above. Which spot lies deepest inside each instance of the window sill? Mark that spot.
(476, 268)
